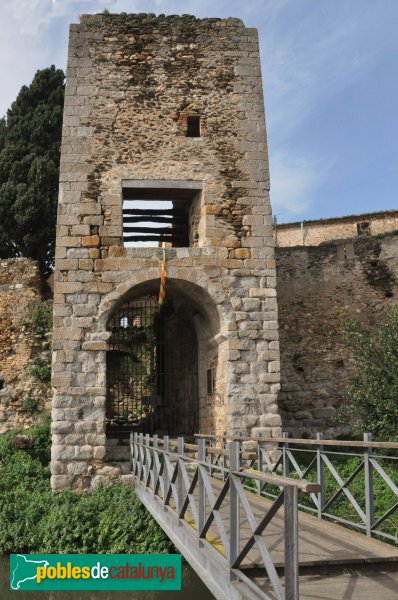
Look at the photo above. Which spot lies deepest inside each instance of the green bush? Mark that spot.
(42, 369)
(373, 390)
(29, 404)
(37, 443)
(41, 319)
(110, 519)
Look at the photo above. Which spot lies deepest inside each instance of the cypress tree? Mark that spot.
(30, 140)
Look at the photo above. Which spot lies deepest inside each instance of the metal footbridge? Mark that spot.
(253, 517)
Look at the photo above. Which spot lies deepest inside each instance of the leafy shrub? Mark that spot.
(110, 519)
(42, 369)
(41, 320)
(373, 391)
(29, 404)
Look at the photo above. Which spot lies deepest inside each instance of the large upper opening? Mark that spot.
(157, 212)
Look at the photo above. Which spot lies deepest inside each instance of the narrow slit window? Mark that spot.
(193, 126)
(211, 380)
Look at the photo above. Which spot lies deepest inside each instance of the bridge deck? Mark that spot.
(334, 561)
(351, 585)
(320, 542)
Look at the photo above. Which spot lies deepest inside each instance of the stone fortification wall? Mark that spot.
(133, 83)
(22, 396)
(314, 284)
(313, 233)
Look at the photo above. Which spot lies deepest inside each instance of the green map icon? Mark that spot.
(23, 570)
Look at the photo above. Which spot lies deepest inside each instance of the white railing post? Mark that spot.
(155, 468)
(141, 454)
(320, 470)
(369, 494)
(261, 448)
(224, 457)
(132, 453)
(291, 543)
(147, 443)
(285, 457)
(165, 469)
(201, 487)
(180, 483)
(233, 506)
(212, 443)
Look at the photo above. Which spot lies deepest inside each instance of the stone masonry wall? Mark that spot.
(19, 291)
(312, 233)
(132, 81)
(314, 284)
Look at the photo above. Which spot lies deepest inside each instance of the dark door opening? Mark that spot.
(152, 370)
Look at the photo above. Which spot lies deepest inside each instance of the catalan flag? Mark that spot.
(163, 275)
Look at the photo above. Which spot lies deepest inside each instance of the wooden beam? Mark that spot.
(154, 238)
(154, 211)
(172, 231)
(155, 219)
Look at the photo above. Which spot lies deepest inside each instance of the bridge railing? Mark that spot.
(350, 474)
(182, 477)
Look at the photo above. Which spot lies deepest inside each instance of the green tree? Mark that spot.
(373, 390)
(30, 139)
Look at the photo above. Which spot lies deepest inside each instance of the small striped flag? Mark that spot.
(163, 275)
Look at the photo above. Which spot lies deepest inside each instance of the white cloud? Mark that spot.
(32, 14)
(294, 181)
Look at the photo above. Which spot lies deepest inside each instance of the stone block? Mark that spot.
(77, 468)
(83, 452)
(94, 253)
(99, 452)
(91, 240)
(95, 439)
(62, 452)
(59, 482)
(269, 377)
(242, 253)
(251, 304)
(262, 292)
(271, 420)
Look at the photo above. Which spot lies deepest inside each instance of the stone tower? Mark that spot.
(163, 142)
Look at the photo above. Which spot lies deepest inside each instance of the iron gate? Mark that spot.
(148, 389)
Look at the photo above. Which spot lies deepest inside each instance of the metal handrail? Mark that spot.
(174, 477)
(282, 456)
(304, 441)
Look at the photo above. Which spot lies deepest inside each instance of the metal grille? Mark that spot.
(147, 389)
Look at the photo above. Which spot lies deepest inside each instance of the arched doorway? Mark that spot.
(159, 359)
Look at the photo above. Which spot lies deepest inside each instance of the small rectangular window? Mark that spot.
(211, 380)
(193, 126)
(363, 228)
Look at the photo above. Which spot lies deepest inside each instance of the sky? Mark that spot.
(330, 86)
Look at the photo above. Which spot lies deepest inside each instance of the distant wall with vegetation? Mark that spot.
(315, 285)
(25, 345)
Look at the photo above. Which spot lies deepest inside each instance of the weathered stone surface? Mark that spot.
(23, 397)
(314, 285)
(315, 232)
(133, 83)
